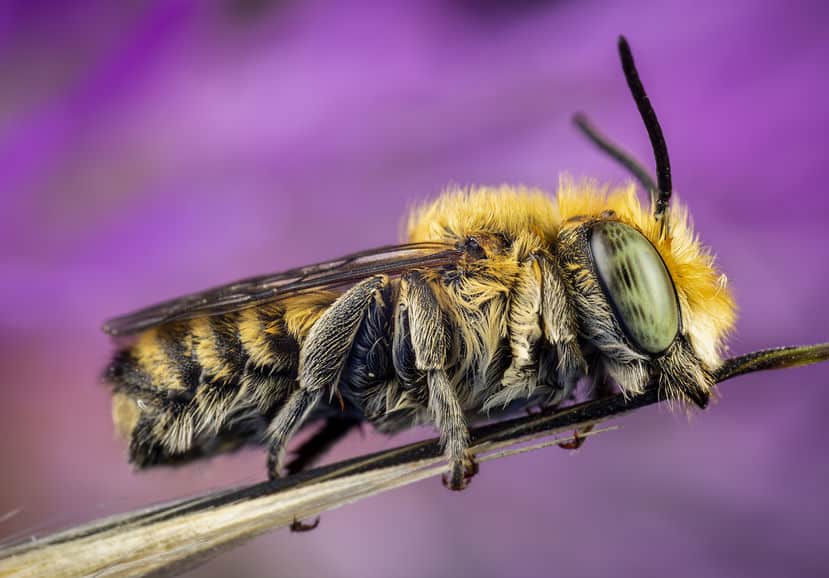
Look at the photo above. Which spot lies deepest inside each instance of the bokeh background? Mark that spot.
(153, 148)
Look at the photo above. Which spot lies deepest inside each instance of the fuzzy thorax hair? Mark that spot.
(532, 220)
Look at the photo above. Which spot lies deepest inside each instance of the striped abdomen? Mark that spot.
(198, 386)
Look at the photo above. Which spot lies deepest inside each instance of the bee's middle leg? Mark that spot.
(454, 434)
(322, 357)
(431, 335)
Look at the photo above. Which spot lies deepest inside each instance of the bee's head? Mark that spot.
(650, 305)
(648, 295)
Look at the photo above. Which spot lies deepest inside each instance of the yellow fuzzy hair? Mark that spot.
(533, 220)
(526, 215)
(302, 311)
(153, 358)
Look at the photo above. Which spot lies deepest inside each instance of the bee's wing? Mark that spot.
(391, 260)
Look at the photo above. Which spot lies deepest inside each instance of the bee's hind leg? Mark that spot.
(322, 357)
(287, 421)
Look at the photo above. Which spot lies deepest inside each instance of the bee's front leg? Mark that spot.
(431, 335)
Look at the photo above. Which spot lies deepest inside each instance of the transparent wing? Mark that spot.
(391, 260)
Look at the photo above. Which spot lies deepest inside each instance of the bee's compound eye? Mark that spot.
(637, 285)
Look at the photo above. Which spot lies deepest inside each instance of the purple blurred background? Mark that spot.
(151, 150)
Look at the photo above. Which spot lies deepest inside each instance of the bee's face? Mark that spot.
(650, 305)
(627, 308)
(652, 290)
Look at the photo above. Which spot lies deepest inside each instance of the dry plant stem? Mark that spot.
(179, 535)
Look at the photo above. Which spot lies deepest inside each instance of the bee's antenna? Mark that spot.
(617, 153)
(660, 149)
(660, 192)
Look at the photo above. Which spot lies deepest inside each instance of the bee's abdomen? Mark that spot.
(271, 357)
(181, 385)
(160, 360)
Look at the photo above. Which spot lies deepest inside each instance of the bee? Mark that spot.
(501, 299)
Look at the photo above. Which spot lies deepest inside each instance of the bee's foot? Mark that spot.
(277, 473)
(462, 471)
(300, 526)
(578, 439)
(275, 467)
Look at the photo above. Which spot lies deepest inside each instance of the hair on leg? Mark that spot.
(322, 357)
(432, 340)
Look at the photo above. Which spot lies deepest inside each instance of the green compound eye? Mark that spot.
(637, 285)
